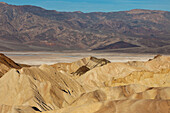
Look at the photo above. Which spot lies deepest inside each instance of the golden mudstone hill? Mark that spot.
(90, 85)
(6, 64)
(82, 66)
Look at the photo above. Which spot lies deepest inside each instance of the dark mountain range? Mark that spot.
(34, 28)
(117, 45)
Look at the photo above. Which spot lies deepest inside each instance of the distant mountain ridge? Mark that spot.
(26, 28)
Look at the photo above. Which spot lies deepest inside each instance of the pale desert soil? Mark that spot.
(38, 58)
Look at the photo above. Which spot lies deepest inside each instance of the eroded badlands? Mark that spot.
(89, 85)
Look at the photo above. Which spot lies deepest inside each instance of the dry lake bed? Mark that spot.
(38, 58)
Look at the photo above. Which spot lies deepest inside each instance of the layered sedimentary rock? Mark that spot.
(6, 64)
(154, 72)
(90, 85)
(42, 87)
(82, 66)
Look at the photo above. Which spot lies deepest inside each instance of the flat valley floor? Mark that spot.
(38, 58)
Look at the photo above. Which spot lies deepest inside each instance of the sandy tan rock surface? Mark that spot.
(89, 85)
(81, 66)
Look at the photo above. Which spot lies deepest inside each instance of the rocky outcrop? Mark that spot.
(6, 64)
(152, 73)
(41, 87)
(82, 66)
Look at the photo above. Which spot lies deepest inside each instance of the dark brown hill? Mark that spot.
(6, 64)
(117, 45)
(34, 28)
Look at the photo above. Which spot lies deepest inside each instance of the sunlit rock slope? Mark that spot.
(90, 85)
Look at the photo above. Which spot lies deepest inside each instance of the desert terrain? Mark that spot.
(38, 58)
(84, 62)
(70, 82)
